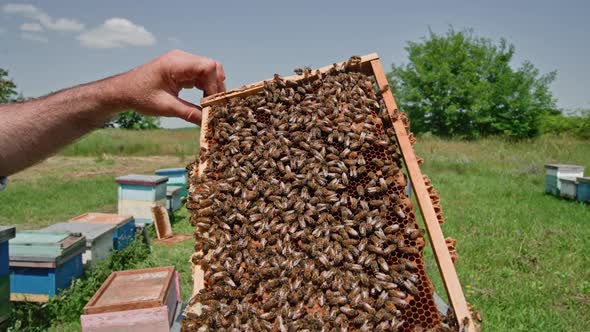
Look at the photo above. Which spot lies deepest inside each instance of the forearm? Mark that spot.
(33, 130)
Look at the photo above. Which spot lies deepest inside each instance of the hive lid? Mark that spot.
(90, 231)
(566, 167)
(132, 289)
(584, 179)
(568, 178)
(39, 246)
(166, 171)
(141, 179)
(102, 218)
(171, 190)
(6, 233)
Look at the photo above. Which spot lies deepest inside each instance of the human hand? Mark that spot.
(153, 88)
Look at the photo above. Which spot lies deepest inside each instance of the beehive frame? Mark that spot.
(370, 65)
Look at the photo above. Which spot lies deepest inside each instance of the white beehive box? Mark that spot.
(567, 187)
(99, 238)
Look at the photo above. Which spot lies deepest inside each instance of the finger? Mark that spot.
(183, 109)
(220, 77)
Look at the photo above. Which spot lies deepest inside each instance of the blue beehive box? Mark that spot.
(555, 171)
(176, 177)
(6, 233)
(583, 189)
(123, 235)
(139, 193)
(43, 263)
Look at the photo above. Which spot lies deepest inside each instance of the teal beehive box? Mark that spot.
(43, 263)
(583, 189)
(6, 233)
(555, 171)
(139, 193)
(176, 178)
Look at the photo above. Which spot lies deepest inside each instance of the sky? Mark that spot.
(50, 45)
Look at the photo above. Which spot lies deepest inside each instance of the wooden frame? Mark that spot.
(92, 308)
(371, 65)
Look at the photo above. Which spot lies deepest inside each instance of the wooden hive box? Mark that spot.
(568, 186)
(6, 233)
(138, 193)
(583, 189)
(142, 300)
(123, 235)
(99, 238)
(555, 171)
(176, 177)
(173, 198)
(43, 263)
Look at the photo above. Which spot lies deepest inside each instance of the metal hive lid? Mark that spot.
(6, 233)
(141, 179)
(565, 167)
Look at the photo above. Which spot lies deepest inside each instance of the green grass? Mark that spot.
(524, 256)
(179, 142)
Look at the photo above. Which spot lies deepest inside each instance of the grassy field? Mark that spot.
(524, 256)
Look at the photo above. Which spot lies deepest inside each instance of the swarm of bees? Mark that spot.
(301, 219)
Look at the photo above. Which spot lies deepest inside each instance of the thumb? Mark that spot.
(184, 110)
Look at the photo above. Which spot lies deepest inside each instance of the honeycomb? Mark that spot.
(289, 241)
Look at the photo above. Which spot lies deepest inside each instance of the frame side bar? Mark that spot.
(437, 241)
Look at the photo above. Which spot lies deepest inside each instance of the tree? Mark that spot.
(133, 120)
(8, 92)
(460, 85)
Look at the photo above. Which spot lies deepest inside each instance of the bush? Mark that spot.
(133, 120)
(461, 85)
(575, 123)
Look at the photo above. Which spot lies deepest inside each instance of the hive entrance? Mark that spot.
(300, 212)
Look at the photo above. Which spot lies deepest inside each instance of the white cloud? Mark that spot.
(37, 14)
(35, 37)
(31, 27)
(117, 32)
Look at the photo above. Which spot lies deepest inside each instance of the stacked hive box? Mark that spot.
(173, 198)
(176, 178)
(125, 226)
(43, 263)
(6, 233)
(138, 193)
(301, 216)
(583, 189)
(99, 238)
(138, 300)
(567, 187)
(553, 172)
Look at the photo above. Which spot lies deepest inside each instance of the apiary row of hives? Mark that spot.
(301, 218)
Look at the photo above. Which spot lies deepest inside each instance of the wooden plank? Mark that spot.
(132, 289)
(145, 320)
(437, 240)
(23, 297)
(222, 97)
(162, 222)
